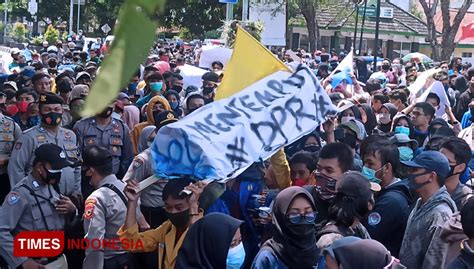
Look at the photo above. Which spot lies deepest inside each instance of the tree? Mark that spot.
(198, 16)
(19, 32)
(308, 9)
(443, 50)
(51, 35)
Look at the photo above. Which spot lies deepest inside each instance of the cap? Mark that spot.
(15, 51)
(91, 64)
(122, 95)
(165, 117)
(357, 127)
(355, 184)
(210, 76)
(96, 156)
(53, 155)
(190, 89)
(53, 49)
(403, 139)
(38, 76)
(441, 132)
(82, 74)
(432, 161)
(50, 98)
(451, 73)
(11, 84)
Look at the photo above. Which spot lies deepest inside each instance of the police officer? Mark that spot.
(112, 134)
(34, 204)
(49, 131)
(9, 133)
(105, 209)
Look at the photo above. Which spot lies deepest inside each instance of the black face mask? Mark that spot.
(180, 219)
(451, 171)
(52, 118)
(350, 140)
(312, 148)
(385, 67)
(177, 88)
(208, 100)
(52, 176)
(192, 110)
(106, 113)
(302, 231)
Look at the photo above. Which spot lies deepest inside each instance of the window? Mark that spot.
(466, 54)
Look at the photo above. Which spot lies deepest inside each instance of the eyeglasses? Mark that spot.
(308, 218)
(417, 114)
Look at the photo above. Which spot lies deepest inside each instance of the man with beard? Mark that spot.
(49, 131)
(334, 160)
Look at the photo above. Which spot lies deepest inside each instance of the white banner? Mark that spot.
(222, 139)
(191, 75)
(212, 53)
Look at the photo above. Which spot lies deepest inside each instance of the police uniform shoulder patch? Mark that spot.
(35, 185)
(18, 145)
(374, 218)
(13, 198)
(138, 162)
(40, 138)
(89, 208)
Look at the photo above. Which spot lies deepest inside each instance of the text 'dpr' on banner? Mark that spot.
(222, 139)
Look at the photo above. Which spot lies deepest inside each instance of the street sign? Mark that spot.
(105, 28)
(32, 7)
(229, 1)
(370, 11)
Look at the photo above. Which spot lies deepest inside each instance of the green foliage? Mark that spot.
(134, 36)
(416, 12)
(37, 41)
(255, 29)
(51, 35)
(198, 16)
(213, 34)
(185, 34)
(19, 32)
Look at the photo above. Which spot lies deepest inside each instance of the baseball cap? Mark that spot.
(355, 184)
(432, 161)
(82, 74)
(15, 51)
(122, 95)
(163, 118)
(53, 155)
(357, 127)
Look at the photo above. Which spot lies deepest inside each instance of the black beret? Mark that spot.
(210, 76)
(50, 98)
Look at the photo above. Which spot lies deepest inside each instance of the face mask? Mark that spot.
(345, 119)
(402, 130)
(412, 184)
(208, 100)
(236, 257)
(174, 105)
(52, 118)
(106, 113)
(312, 148)
(207, 90)
(383, 118)
(177, 88)
(132, 87)
(22, 106)
(299, 182)
(156, 86)
(385, 67)
(326, 186)
(406, 153)
(446, 88)
(180, 219)
(451, 171)
(370, 174)
(52, 176)
(317, 59)
(350, 140)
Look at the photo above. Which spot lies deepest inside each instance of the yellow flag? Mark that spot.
(249, 63)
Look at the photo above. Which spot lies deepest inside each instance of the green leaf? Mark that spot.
(134, 36)
(151, 6)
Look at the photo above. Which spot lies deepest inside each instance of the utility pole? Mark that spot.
(78, 14)
(245, 10)
(6, 21)
(376, 35)
(229, 15)
(355, 28)
(362, 28)
(71, 16)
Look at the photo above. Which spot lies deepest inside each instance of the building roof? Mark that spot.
(337, 18)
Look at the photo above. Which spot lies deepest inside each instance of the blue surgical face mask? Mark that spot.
(406, 153)
(370, 174)
(236, 257)
(174, 105)
(402, 130)
(156, 86)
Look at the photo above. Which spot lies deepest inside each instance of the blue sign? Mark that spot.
(229, 1)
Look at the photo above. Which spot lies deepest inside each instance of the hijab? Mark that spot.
(131, 116)
(296, 250)
(371, 121)
(392, 110)
(354, 253)
(207, 242)
(143, 140)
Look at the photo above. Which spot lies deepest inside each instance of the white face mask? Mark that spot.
(345, 119)
(383, 118)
